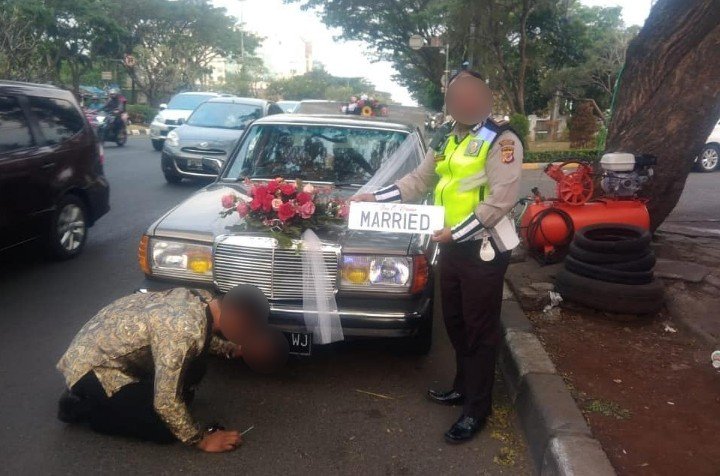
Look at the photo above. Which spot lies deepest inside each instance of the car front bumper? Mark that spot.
(373, 317)
(179, 162)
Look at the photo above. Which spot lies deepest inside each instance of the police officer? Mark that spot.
(475, 174)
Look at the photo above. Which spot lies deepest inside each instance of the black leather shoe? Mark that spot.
(446, 398)
(71, 408)
(464, 429)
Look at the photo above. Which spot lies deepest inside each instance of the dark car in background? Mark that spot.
(200, 147)
(52, 184)
(382, 282)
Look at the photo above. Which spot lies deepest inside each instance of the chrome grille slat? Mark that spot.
(256, 260)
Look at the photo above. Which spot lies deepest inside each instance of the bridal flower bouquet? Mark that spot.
(285, 208)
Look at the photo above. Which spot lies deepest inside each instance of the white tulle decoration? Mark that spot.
(319, 307)
(400, 163)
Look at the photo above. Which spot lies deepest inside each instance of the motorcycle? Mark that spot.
(104, 125)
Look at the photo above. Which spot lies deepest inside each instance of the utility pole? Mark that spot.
(471, 46)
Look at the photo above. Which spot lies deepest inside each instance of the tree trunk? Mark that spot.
(669, 96)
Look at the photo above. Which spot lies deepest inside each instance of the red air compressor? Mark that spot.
(549, 224)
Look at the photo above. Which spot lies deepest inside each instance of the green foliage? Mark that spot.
(591, 155)
(583, 126)
(521, 125)
(318, 84)
(141, 113)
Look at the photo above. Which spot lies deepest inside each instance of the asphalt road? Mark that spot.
(314, 417)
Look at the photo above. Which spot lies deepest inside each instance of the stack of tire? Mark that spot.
(610, 268)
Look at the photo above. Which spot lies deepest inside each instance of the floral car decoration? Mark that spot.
(286, 208)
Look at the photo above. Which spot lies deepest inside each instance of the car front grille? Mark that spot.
(196, 150)
(258, 261)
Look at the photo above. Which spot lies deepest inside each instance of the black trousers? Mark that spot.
(471, 296)
(130, 412)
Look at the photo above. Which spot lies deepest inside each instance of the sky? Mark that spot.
(286, 28)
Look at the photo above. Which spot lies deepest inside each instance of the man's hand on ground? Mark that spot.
(220, 441)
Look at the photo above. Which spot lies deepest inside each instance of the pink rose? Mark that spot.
(243, 209)
(307, 210)
(228, 201)
(276, 203)
(308, 188)
(344, 210)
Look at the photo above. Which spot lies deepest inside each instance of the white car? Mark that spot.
(709, 158)
(174, 113)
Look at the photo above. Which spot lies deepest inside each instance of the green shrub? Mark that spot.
(141, 113)
(521, 125)
(601, 138)
(590, 155)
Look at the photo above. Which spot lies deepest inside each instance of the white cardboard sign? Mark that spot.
(396, 217)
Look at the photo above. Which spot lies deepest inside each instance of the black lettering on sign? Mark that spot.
(385, 220)
(365, 219)
(424, 222)
(375, 220)
(396, 219)
(412, 221)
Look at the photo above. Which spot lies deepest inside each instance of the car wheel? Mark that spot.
(612, 238)
(610, 297)
(68, 228)
(709, 158)
(168, 168)
(594, 257)
(157, 144)
(646, 263)
(604, 274)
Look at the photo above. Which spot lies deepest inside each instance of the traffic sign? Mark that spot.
(416, 42)
(106, 75)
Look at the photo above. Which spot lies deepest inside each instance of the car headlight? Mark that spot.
(376, 273)
(175, 259)
(173, 139)
(159, 119)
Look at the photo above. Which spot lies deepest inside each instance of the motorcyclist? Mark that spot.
(115, 106)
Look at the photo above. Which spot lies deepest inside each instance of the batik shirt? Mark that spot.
(147, 335)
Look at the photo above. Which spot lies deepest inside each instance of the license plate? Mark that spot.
(194, 164)
(300, 343)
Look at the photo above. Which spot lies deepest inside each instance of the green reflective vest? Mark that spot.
(457, 161)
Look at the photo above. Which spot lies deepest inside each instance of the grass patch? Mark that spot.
(607, 408)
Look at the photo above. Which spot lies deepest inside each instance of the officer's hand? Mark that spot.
(443, 236)
(220, 441)
(363, 197)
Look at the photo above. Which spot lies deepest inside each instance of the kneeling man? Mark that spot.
(132, 369)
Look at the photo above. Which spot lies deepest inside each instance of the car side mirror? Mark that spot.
(213, 164)
(163, 106)
(181, 121)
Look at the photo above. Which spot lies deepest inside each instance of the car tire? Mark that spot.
(612, 238)
(646, 263)
(609, 275)
(68, 229)
(594, 257)
(168, 168)
(157, 144)
(610, 297)
(709, 158)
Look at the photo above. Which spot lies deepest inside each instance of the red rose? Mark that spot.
(287, 188)
(267, 201)
(286, 211)
(344, 210)
(256, 204)
(243, 209)
(272, 187)
(302, 198)
(259, 191)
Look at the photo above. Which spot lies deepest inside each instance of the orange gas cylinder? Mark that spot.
(545, 225)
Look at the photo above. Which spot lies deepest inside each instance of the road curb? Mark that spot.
(558, 437)
(138, 131)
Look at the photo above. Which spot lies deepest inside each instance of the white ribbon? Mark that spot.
(319, 307)
(396, 165)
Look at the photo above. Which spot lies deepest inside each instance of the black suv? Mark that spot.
(52, 185)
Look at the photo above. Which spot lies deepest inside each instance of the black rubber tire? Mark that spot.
(53, 246)
(122, 137)
(157, 144)
(594, 257)
(168, 169)
(612, 238)
(604, 274)
(646, 263)
(610, 297)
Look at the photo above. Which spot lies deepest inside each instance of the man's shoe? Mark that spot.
(71, 408)
(446, 398)
(464, 429)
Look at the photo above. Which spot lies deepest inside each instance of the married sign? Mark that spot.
(396, 217)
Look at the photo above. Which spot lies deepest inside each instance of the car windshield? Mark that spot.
(188, 102)
(223, 115)
(315, 152)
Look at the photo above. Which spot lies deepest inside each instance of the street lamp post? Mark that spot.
(417, 42)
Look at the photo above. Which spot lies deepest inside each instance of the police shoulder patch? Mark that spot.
(507, 150)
